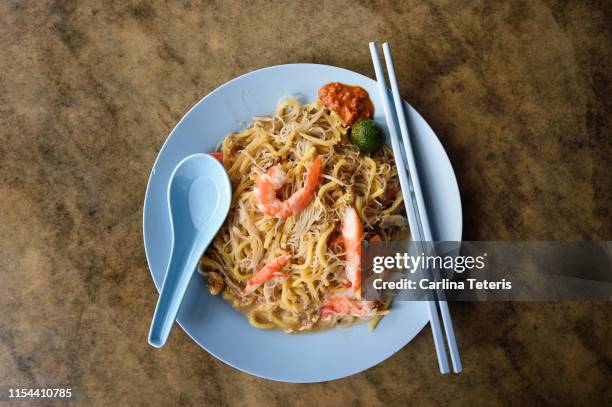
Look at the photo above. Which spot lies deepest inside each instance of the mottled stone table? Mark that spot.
(519, 95)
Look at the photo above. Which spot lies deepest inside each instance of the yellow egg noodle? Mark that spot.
(249, 239)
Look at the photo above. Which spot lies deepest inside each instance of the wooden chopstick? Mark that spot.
(420, 202)
(434, 318)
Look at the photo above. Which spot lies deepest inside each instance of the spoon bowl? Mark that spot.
(199, 197)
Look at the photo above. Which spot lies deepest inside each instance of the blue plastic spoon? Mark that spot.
(199, 196)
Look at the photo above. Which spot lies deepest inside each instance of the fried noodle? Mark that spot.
(248, 239)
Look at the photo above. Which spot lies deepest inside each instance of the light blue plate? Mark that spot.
(213, 323)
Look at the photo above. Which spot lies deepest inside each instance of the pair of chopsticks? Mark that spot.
(413, 200)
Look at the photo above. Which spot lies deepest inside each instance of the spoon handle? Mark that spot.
(183, 262)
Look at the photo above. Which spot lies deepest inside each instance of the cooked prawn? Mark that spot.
(349, 302)
(272, 180)
(218, 155)
(352, 235)
(267, 272)
(339, 304)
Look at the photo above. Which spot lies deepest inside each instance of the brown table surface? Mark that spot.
(519, 95)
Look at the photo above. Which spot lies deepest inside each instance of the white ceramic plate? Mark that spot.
(213, 323)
